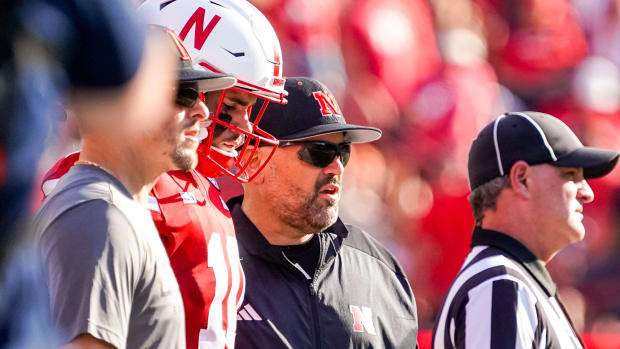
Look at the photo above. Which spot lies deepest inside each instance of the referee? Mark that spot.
(527, 173)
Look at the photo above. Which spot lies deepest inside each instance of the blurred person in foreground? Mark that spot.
(28, 96)
(313, 281)
(110, 282)
(193, 222)
(527, 172)
(39, 60)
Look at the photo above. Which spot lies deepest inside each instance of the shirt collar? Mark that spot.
(517, 251)
(117, 182)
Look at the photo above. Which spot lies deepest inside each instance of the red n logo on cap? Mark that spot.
(200, 33)
(327, 102)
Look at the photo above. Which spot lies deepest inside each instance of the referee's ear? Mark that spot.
(519, 174)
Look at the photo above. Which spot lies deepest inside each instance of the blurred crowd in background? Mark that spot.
(430, 74)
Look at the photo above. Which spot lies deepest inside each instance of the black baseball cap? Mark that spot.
(536, 138)
(311, 111)
(189, 72)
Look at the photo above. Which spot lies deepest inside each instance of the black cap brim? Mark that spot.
(595, 162)
(354, 133)
(207, 81)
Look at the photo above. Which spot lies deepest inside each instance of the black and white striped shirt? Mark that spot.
(503, 297)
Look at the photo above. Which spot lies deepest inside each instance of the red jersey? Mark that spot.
(197, 231)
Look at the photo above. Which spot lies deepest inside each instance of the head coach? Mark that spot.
(313, 281)
(527, 173)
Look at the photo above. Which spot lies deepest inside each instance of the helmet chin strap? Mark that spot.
(206, 166)
(202, 131)
(231, 154)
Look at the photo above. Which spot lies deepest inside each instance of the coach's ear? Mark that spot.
(256, 162)
(519, 175)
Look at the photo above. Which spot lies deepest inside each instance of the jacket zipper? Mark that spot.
(313, 292)
(315, 315)
(313, 299)
(314, 295)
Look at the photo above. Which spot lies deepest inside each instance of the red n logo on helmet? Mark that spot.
(200, 33)
(327, 102)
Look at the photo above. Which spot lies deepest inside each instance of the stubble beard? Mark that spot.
(311, 215)
(182, 158)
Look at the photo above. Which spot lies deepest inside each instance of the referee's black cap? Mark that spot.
(311, 111)
(535, 138)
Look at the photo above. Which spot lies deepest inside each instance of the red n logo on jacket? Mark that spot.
(362, 319)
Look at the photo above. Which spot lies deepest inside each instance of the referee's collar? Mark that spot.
(518, 252)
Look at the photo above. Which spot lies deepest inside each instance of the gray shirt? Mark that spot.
(107, 271)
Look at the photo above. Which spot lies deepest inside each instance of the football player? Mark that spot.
(194, 224)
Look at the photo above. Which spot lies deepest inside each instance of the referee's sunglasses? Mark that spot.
(320, 154)
(187, 94)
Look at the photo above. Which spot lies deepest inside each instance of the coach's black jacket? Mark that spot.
(355, 275)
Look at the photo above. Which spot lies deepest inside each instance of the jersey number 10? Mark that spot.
(225, 265)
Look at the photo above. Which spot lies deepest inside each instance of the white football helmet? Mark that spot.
(235, 38)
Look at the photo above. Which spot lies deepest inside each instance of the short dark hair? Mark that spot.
(484, 197)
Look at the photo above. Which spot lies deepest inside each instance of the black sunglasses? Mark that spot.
(321, 154)
(187, 94)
